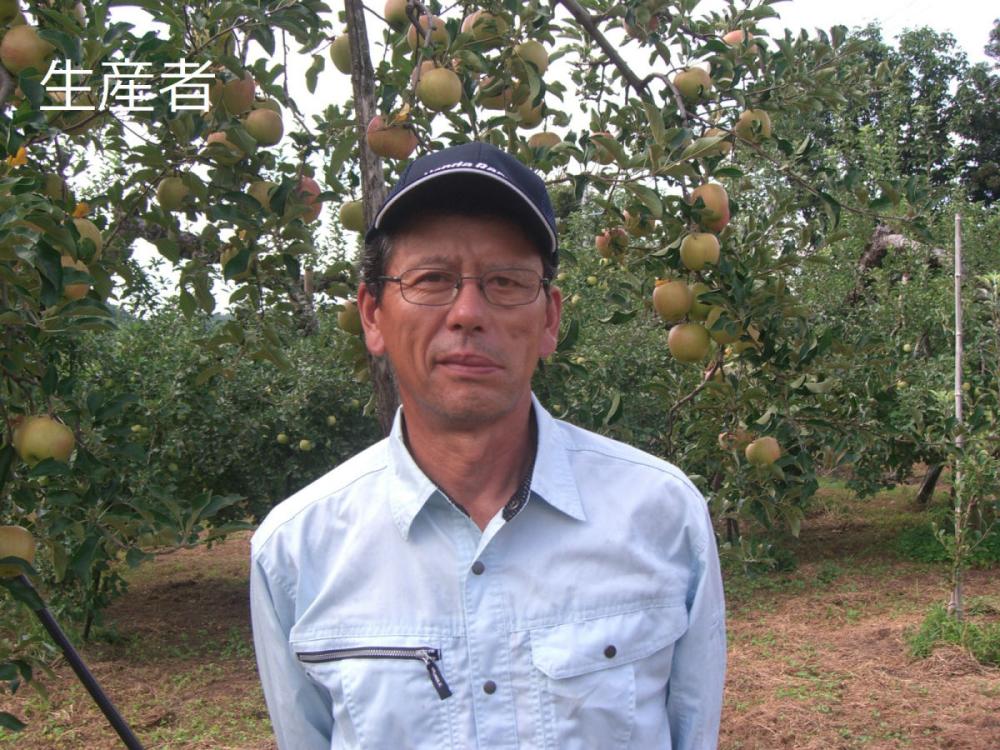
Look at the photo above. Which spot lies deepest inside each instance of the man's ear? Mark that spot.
(369, 310)
(553, 314)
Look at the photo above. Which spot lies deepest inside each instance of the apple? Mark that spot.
(238, 94)
(591, 281)
(439, 89)
(349, 319)
(715, 214)
(390, 141)
(688, 342)
(305, 445)
(693, 84)
(611, 242)
(261, 191)
(439, 34)
(331, 420)
(88, 230)
(527, 115)
(722, 148)
(340, 53)
(170, 193)
(699, 249)
(639, 224)
(221, 150)
(601, 152)
(265, 126)
(753, 125)
(907, 348)
(544, 139)
(38, 438)
(417, 73)
(21, 48)
(672, 299)
(79, 290)
(55, 188)
(282, 438)
(722, 335)
(501, 98)
(533, 52)
(485, 26)
(306, 191)
(15, 541)
(699, 310)
(737, 37)
(763, 451)
(352, 216)
(395, 14)
(8, 11)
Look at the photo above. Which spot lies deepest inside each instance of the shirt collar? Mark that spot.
(552, 480)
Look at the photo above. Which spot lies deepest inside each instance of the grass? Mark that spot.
(978, 632)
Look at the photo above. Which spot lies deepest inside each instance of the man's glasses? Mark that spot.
(504, 287)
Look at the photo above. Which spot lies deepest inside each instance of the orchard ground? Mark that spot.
(818, 656)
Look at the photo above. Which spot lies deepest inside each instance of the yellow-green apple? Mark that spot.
(544, 139)
(753, 125)
(694, 84)
(715, 214)
(395, 14)
(672, 299)
(171, 192)
(763, 451)
(41, 437)
(349, 319)
(722, 335)
(352, 216)
(699, 310)
(22, 48)
(265, 126)
(533, 52)
(688, 342)
(699, 249)
(261, 192)
(340, 53)
(15, 541)
(439, 34)
(439, 89)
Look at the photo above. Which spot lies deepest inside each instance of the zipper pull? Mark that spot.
(437, 678)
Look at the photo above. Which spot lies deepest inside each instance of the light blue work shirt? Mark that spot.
(384, 619)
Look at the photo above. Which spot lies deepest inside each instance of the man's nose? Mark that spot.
(469, 306)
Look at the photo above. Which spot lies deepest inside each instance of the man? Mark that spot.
(487, 576)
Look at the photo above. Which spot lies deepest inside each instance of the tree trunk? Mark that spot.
(927, 486)
(373, 189)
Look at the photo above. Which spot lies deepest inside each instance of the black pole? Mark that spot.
(73, 657)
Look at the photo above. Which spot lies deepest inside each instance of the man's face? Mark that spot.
(470, 362)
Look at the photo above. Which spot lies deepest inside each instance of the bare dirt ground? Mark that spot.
(817, 657)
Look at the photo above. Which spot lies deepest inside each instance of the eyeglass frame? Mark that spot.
(543, 283)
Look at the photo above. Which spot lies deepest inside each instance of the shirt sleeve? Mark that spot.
(697, 678)
(301, 712)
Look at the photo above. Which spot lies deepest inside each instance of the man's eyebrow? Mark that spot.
(432, 260)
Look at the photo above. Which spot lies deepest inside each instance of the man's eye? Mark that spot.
(505, 281)
(431, 278)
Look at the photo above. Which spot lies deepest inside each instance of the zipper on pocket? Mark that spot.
(420, 653)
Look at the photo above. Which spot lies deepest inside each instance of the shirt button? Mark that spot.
(489, 687)
(610, 652)
(478, 567)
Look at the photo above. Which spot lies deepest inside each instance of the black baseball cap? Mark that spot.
(471, 175)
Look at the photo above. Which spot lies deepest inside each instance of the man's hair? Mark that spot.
(378, 248)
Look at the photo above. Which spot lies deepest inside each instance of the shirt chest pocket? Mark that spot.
(385, 690)
(587, 673)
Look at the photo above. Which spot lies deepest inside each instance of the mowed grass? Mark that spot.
(820, 656)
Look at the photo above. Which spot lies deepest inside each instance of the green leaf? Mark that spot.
(188, 303)
(701, 147)
(654, 116)
(568, 340)
(312, 74)
(615, 410)
(619, 316)
(649, 197)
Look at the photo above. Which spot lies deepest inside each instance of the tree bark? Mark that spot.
(927, 486)
(373, 190)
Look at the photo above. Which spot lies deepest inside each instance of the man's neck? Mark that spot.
(478, 469)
